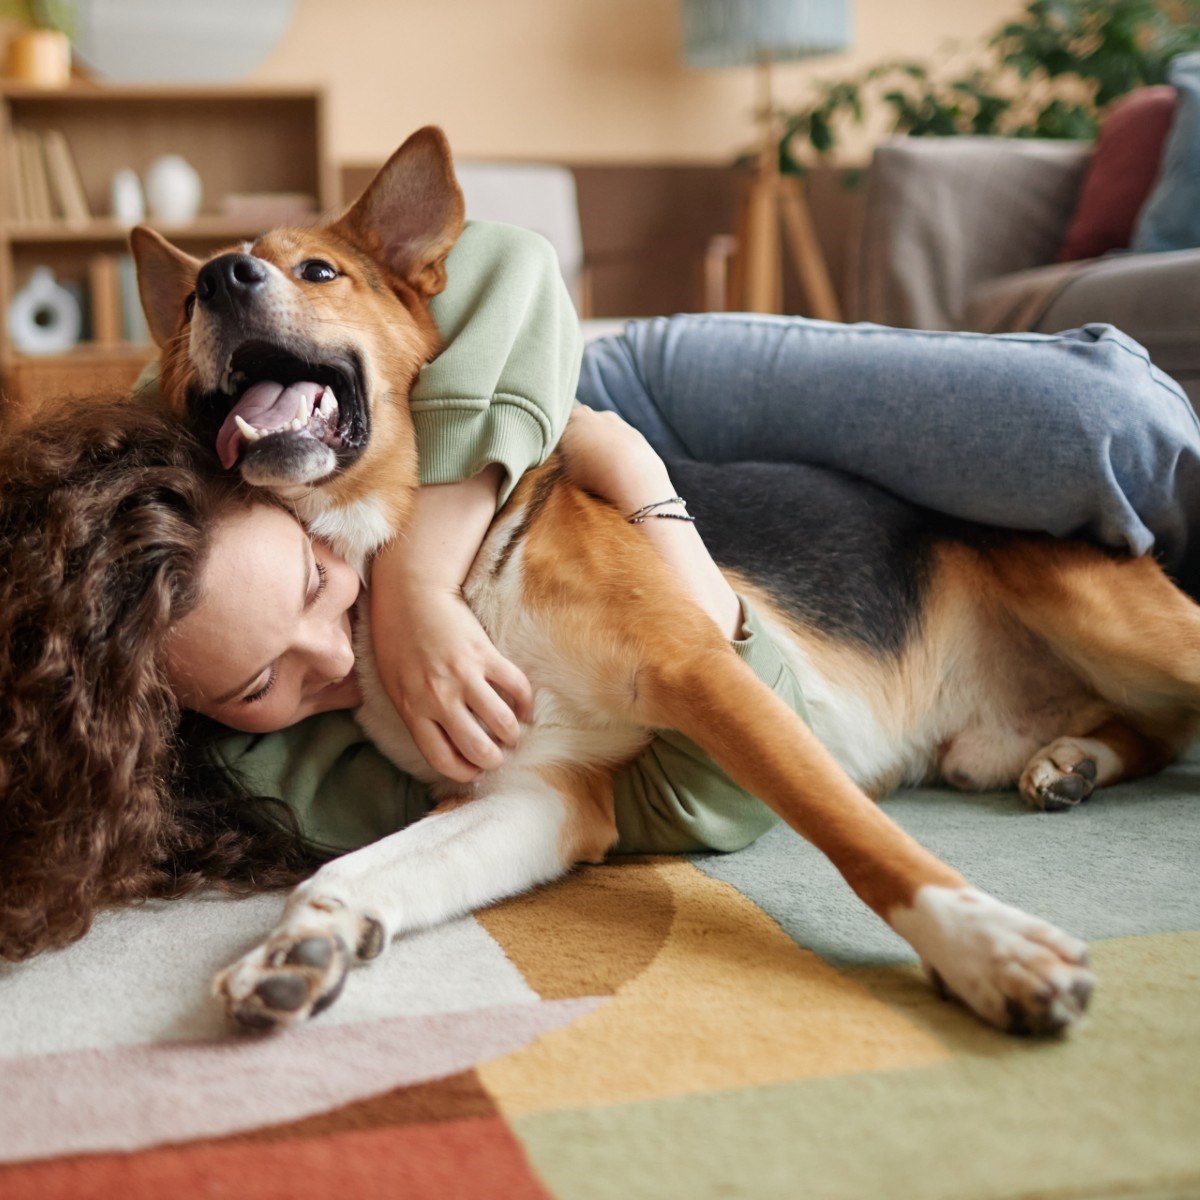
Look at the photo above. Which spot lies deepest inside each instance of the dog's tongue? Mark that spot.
(267, 405)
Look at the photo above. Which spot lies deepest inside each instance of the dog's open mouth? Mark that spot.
(282, 402)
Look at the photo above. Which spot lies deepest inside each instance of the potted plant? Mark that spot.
(1047, 74)
(40, 53)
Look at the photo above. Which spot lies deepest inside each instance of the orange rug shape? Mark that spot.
(478, 1157)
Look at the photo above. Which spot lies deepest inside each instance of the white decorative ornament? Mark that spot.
(173, 190)
(128, 203)
(44, 318)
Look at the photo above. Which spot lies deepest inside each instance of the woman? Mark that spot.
(146, 595)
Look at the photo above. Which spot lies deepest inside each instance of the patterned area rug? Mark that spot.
(724, 1026)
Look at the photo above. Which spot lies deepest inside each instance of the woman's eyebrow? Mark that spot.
(306, 561)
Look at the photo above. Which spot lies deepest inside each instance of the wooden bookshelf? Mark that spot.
(240, 140)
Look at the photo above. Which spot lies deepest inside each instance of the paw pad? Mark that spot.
(297, 977)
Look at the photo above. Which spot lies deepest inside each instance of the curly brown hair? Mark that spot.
(105, 521)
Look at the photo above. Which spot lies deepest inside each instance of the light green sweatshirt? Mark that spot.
(501, 392)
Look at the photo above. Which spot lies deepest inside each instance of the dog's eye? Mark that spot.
(189, 306)
(316, 270)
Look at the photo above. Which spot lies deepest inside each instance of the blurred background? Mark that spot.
(920, 162)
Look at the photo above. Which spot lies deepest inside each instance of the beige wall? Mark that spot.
(598, 80)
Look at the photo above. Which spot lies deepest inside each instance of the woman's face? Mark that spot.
(269, 643)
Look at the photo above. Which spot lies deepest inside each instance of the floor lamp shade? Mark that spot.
(736, 33)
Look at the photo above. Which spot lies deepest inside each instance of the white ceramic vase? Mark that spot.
(173, 190)
(128, 203)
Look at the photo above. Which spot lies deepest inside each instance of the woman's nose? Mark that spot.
(331, 655)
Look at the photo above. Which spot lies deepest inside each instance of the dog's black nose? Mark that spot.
(229, 280)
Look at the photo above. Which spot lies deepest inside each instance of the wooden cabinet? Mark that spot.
(252, 144)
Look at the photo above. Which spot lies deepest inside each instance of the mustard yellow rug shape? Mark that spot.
(723, 1000)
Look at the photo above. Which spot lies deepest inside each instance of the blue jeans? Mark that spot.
(1074, 434)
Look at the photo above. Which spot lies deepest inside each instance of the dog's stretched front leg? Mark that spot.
(463, 856)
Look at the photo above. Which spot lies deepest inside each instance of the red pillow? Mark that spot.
(1122, 172)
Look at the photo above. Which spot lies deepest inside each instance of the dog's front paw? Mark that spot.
(1019, 973)
(1059, 777)
(300, 970)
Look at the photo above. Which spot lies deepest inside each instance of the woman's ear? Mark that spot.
(411, 213)
(166, 278)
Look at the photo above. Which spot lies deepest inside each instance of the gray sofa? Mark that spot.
(962, 233)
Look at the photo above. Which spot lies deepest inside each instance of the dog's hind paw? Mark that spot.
(1059, 777)
(1019, 973)
(300, 970)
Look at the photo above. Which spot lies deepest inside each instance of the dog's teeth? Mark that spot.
(295, 424)
(328, 405)
(304, 413)
(247, 430)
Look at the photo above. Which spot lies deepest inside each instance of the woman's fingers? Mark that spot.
(440, 752)
(515, 693)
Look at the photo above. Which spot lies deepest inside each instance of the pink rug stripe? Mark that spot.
(130, 1097)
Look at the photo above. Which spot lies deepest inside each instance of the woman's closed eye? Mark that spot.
(254, 697)
(315, 593)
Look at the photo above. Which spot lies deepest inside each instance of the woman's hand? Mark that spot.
(458, 695)
(610, 459)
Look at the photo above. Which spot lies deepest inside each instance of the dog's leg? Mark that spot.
(466, 854)
(654, 658)
(1066, 772)
(1132, 634)
(1119, 621)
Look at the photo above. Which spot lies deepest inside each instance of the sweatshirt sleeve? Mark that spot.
(673, 798)
(503, 386)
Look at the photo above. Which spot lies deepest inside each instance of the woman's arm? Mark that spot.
(612, 460)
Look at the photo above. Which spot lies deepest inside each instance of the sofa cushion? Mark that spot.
(1121, 174)
(1171, 217)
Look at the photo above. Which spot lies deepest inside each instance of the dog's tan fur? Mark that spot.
(579, 600)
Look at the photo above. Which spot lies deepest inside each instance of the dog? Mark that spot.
(927, 649)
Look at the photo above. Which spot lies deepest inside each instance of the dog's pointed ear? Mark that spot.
(166, 278)
(411, 213)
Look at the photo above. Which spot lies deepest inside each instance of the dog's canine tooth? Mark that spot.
(328, 405)
(246, 429)
(305, 412)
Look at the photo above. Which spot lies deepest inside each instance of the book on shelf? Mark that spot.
(18, 209)
(105, 299)
(34, 182)
(66, 186)
(46, 184)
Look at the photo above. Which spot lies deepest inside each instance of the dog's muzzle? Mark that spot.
(285, 418)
